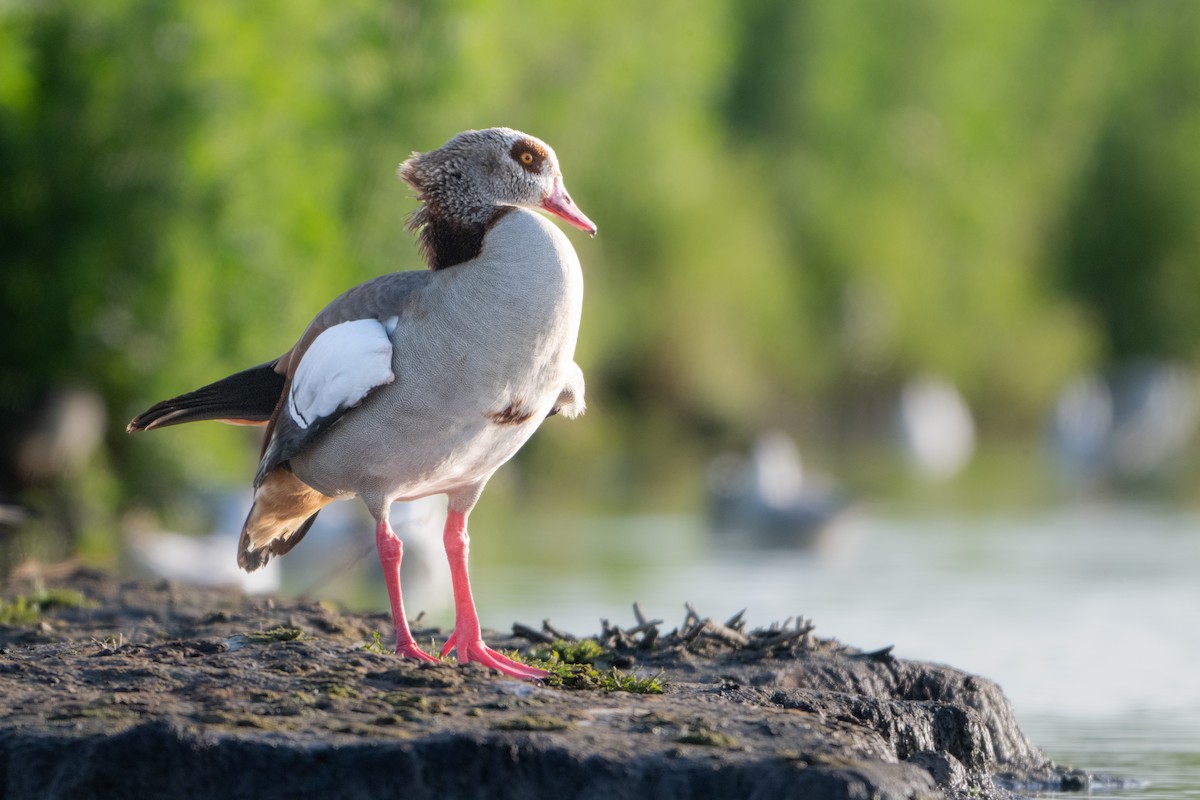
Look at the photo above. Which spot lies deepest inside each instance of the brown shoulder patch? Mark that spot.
(514, 413)
(529, 154)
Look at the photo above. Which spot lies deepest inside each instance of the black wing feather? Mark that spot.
(249, 395)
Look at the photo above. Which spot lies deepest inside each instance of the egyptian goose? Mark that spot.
(423, 382)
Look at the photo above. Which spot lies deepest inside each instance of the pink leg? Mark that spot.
(391, 550)
(467, 639)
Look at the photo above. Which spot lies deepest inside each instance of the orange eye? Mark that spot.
(530, 155)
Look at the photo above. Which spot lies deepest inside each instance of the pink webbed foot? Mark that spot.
(391, 551)
(480, 653)
(411, 650)
(466, 640)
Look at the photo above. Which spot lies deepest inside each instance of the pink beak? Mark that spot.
(559, 203)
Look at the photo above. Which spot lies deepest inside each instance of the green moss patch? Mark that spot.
(28, 609)
(531, 722)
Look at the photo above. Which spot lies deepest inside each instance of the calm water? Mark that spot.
(1088, 617)
(1162, 752)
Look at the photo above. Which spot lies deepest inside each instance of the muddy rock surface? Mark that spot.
(114, 688)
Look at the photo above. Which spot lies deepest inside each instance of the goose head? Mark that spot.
(477, 173)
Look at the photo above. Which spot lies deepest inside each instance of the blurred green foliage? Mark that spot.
(800, 203)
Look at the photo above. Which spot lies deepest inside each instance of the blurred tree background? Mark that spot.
(801, 204)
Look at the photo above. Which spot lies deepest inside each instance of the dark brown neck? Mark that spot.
(446, 242)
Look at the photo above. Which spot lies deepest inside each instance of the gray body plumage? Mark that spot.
(482, 352)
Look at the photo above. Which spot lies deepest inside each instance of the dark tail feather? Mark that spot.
(251, 560)
(249, 396)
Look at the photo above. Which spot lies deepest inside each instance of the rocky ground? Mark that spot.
(112, 688)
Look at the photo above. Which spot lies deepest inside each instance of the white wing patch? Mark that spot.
(339, 368)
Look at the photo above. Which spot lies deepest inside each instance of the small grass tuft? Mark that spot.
(279, 633)
(114, 642)
(28, 609)
(584, 651)
(19, 611)
(375, 645)
(617, 681)
(572, 665)
(585, 676)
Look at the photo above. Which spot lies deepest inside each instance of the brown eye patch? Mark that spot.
(529, 154)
